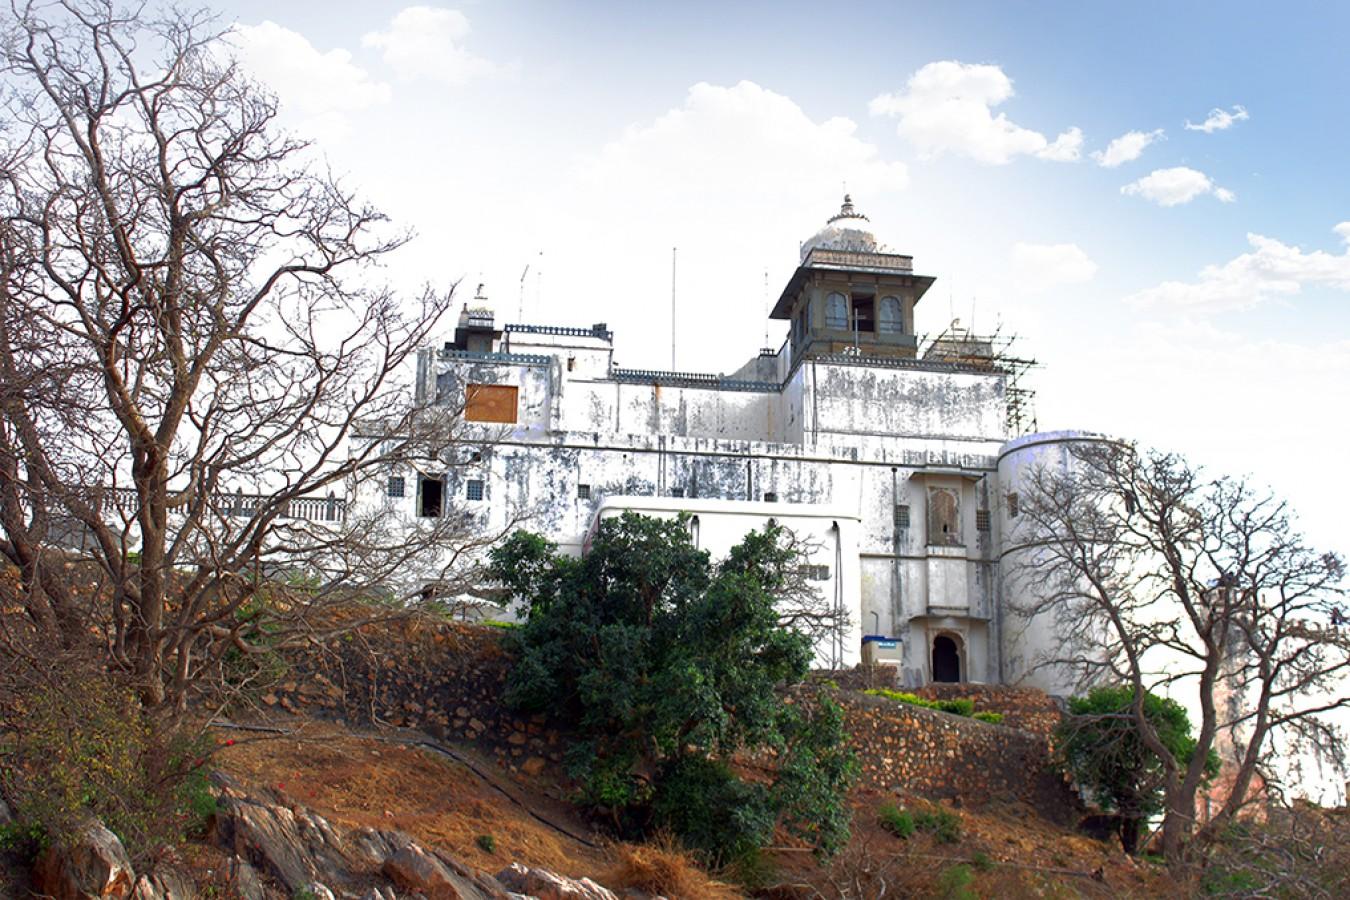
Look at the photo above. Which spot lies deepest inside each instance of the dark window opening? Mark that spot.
(571, 363)
(1129, 503)
(770, 497)
(946, 660)
(677, 492)
(430, 493)
(583, 492)
(944, 516)
(981, 520)
(474, 489)
(902, 515)
(394, 488)
(1013, 508)
(864, 313)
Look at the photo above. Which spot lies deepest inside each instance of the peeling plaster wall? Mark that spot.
(881, 401)
(859, 437)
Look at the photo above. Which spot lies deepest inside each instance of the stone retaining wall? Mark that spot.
(1024, 708)
(447, 680)
(926, 753)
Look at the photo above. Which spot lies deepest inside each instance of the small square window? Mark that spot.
(814, 573)
(677, 492)
(902, 515)
(770, 497)
(395, 486)
(981, 520)
(474, 490)
(1013, 509)
(583, 492)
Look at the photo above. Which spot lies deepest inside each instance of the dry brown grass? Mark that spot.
(661, 867)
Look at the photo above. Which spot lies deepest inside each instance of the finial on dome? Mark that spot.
(846, 211)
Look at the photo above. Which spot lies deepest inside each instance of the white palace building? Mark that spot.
(897, 464)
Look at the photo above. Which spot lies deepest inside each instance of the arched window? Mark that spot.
(889, 320)
(836, 311)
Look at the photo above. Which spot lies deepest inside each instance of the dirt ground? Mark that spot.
(370, 779)
(379, 782)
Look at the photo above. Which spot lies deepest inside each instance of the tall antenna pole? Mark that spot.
(673, 252)
(520, 311)
(766, 309)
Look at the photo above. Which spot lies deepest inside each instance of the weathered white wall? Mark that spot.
(830, 534)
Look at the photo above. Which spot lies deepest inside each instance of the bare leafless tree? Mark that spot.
(197, 366)
(1162, 578)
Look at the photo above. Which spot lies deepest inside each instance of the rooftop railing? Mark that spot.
(225, 503)
(690, 379)
(595, 331)
(518, 359)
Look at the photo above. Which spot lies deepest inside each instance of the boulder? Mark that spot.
(242, 880)
(164, 884)
(294, 846)
(437, 876)
(545, 885)
(94, 866)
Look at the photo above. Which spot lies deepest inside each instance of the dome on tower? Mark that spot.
(846, 230)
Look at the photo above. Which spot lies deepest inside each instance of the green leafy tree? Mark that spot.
(669, 665)
(1102, 750)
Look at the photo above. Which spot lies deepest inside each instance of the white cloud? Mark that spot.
(426, 42)
(1171, 187)
(318, 89)
(1219, 120)
(1036, 267)
(1271, 269)
(947, 107)
(743, 142)
(1126, 148)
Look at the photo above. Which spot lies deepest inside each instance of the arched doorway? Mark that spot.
(946, 660)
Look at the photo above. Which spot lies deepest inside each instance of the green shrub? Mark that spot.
(669, 664)
(895, 820)
(954, 883)
(962, 706)
(712, 810)
(993, 718)
(944, 825)
(981, 861)
(486, 842)
(498, 623)
(80, 745)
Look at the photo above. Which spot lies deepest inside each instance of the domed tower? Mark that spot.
(851, 294)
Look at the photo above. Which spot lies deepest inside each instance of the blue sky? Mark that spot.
(588, 139)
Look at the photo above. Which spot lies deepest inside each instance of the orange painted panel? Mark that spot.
(490, 403)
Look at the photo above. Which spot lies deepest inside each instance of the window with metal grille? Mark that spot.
(770, 497)
(1013, 509)
(901, 515)
(814, 573)
(981, 520)
(677, 492)
(395, 486)
(583, 492)
(474, 490)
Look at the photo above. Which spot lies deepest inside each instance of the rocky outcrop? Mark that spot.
(279, 850)
(302, 852)
(92, 865)
(542, 884)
